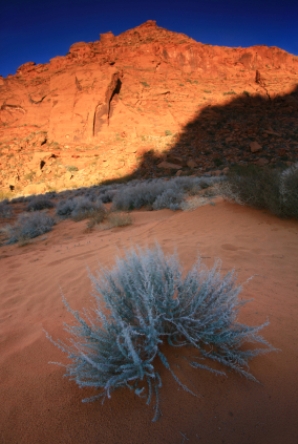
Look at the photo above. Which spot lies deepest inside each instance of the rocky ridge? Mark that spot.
(147, 102)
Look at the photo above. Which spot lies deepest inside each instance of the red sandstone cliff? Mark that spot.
(93, 113)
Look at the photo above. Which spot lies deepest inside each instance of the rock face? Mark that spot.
(125, 102)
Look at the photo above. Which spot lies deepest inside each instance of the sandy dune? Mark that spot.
(38, 405)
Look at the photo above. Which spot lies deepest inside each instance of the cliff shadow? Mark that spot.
(259, 129)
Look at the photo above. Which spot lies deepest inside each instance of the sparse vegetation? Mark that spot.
(39, 202)
(227, 93)
(96, 218)
(118, 219)
(30, 176)
(265, 188)
(79, 207)
(65, 208)
(138, 194)
(85, 208)
(72, 168)
(5, 210)
(29, 226)
(107, 196)
(171, 198)
(148, 302)
(107, 220)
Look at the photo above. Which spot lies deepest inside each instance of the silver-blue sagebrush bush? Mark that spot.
(142, 302)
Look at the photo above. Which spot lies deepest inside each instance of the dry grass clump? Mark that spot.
(107, 220)
(118, 219)
(96, 218)
(194, 202)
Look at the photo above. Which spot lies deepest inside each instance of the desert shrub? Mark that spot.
(96, 218)
(274, 190)
(170, 198)
(51, 194)
(17, 199)
(38, 203)
(141, 303)
(108, 196)
(289, 191)
(255, 186)
(20, 199)
(79, 208)
(139, 194)
(247, 183)
(85, 208)
(192, 185)
(5, 210)
(29, 226)
(65, 208)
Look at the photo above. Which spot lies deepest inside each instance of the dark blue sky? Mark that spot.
(37, 30)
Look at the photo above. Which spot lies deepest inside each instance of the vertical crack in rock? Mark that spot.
(113, 91)
(104, 111)
(258, 77)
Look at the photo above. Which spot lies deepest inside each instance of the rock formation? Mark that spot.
(142, 100)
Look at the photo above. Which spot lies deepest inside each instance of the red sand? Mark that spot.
(38, 405)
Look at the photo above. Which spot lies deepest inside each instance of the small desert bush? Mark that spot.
(289, 191)
(271, 189)
(38, 203)
(137, 195)
(256, 187)
(85, 208)
(51, 194)
(158, 193)
(20, 199)
(29, 226)
(145, 301)
(170, 198)
(79, 208)
(96, 218)
(5, 210)
(107, 196)
(65, 208)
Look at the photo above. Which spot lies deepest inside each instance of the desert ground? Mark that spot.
(38, 405)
